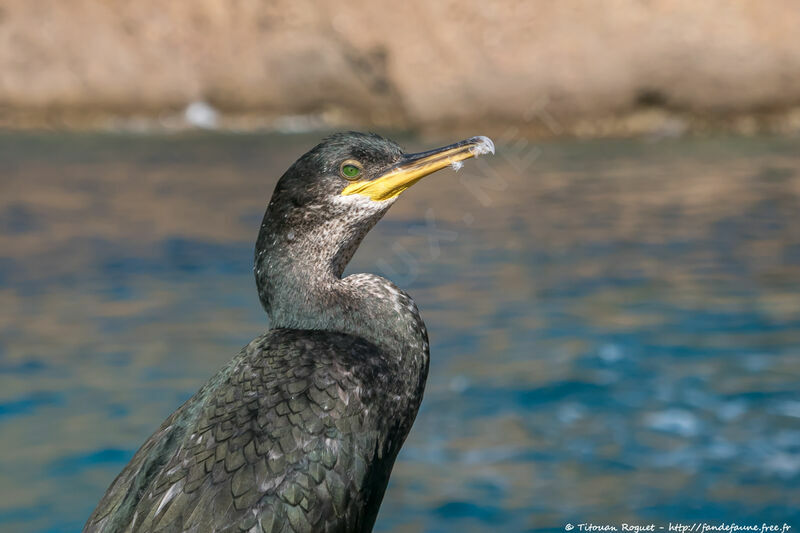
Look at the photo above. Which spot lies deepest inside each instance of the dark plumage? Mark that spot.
(299, 432)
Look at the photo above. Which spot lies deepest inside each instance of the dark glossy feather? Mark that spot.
(289, 437)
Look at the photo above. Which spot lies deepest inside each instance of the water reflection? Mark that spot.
(615, 329)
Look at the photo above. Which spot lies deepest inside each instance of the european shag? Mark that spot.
(299, 432)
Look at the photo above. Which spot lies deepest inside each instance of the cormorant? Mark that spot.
(299, 432)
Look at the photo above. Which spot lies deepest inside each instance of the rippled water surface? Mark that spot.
(615, 325)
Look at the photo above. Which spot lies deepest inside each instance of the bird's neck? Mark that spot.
(362, 305)
(300, 286)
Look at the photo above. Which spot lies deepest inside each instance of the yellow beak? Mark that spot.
(413, 167)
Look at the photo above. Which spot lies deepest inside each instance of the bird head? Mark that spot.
(352, 178)
(328, 200)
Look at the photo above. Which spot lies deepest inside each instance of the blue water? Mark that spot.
(615, 325)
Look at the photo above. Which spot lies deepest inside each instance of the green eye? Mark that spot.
(350, 170)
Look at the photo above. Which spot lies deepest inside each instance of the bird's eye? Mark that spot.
(350, 170)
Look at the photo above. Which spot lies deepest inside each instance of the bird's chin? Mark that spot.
(361, 202)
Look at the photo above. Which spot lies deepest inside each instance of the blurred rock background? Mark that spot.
(541, 67)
